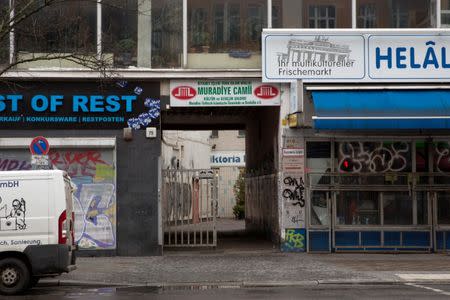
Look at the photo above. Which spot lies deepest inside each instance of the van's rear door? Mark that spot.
(69, 189)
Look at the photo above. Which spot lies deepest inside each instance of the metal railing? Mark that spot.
(189, 208)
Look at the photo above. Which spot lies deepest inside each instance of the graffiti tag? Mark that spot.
(77, 163)
(294, 191)
(14, 164)
(356, 157)
(294, 240)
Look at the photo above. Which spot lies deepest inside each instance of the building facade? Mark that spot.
(318, 180)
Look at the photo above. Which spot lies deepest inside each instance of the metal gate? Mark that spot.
(189, 208)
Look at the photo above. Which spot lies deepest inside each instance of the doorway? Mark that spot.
(236, 145)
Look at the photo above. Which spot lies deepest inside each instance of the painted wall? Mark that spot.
(136, 230)
(116, 203)
(292, 198)
(93, 172)
(228, 140)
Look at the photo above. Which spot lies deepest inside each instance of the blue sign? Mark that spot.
(80, 105)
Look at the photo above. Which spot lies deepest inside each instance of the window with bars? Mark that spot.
(445, 14)
(322, 16)
(367, 16)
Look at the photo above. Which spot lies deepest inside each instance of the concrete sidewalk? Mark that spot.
(258, 268)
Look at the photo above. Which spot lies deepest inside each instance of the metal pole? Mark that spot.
(354, 14)
(99, 29)
(12, 49)
(185, 34)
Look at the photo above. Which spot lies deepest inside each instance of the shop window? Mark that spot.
(319, 208)
(422, 165)
(225, 33)
(358, 208)
(422, 161)
(373, 157)
(422, 208)
(441, 162)
(318, 161)
(441, 158)
(443, 208)
(397, 208)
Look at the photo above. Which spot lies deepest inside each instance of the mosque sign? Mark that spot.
(355, 55)
(239, 92)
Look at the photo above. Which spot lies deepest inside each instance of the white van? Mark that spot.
(36, 227)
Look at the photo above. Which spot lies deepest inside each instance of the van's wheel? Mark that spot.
(34, 281)
(14, 276)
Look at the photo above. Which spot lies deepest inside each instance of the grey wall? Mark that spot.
(137, 187)
(137, 195)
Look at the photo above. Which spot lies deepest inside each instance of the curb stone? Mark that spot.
(230, 285)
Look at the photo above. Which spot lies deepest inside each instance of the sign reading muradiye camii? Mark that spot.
(355, 55)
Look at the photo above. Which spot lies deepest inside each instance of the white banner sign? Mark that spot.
(228, 159)
(200, 93)
(355, 55)
(40, 160)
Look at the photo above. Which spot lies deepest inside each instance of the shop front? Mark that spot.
(378, 193)
(94, 132)
(372, 131)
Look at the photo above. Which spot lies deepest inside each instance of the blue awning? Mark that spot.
(412, 109)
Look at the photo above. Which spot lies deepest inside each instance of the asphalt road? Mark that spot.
(330, 291)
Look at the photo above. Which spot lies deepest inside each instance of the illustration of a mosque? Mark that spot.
(318, 50)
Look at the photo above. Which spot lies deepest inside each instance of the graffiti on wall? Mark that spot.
(12, 164)
(294, 190)
(293, 216)
(95, 209)
(77, 163)
(357, 157)
(442, 156)
(93, 173)
(294, 241)
(95, 202)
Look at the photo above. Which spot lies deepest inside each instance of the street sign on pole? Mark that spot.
(39, 148)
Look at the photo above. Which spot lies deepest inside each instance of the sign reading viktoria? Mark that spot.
(197, 93)
(355, 55)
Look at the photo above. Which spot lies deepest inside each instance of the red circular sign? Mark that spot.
(184, 92)
(39, 146)
(266, 91)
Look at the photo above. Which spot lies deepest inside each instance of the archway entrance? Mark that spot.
(201, 173)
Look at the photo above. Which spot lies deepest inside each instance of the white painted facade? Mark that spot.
(229, 141)
(186, 149)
